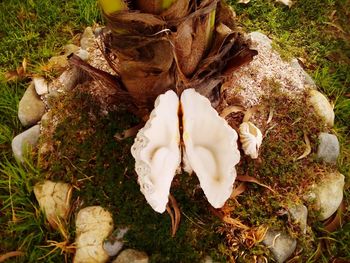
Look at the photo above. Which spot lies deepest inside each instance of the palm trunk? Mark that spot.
(172, 44)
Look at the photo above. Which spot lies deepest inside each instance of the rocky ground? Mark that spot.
(292, 184)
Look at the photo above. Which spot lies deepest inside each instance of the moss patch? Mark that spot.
(80, 149)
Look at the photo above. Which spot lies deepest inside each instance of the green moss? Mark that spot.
(85, 154)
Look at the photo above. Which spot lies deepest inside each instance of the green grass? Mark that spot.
(37, 30)
(34, 30)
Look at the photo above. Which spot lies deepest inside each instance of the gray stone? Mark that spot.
(299, 215)
(24, 142)
(98, 31)
(328, 194)
(69, 79)
(71, 48)
(115, 243)
(83, 54)
(65, 82)
(87, 39)
(31, 108)
(131, 256)
(328, 148)
(260, 38)
(322, 106)
(294, 63)
(281, 244)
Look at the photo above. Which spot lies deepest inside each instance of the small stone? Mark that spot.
(93, 225)
(31, 108)
(69, 79)
(115, 242)
(73, 49)
(281, 244)
(54, 199)
(322, 106)
(328, 148)
(83, 54)
(45, 119)
(328, 194)
(131, 256)
(88, 39)
(98, 31)
(24, 142)
(40, 85)
(65, 82)
(70, 48)
(299, 215)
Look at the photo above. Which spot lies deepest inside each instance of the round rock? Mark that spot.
(24, 142)
(115, 242)
(281, 245)
(54, 199)
(322, 106)
(88, 39)
(299, 215)
(40, 85)
(328, 148)
(31, 108)
(261, 38)
(294, 63)
(93, 225)
(328, 194)
(131, 256)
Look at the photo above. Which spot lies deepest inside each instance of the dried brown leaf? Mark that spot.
(249, 113)
(307, 147)
(129, 132)
(269, 119)
(254, 235)
(336, 221)
(11, 254)
(24, 65)
(178, 9)
(250, 179)
(19, 73)
(236, 223)
(175, 219)
(231, 109)
(238, 190)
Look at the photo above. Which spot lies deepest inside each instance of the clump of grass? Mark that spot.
(35, 30)
(24, 227)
